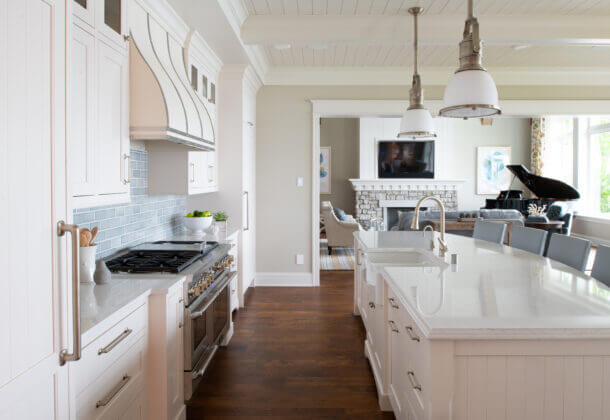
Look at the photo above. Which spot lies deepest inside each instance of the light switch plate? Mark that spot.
(300, 259)
(299, 181)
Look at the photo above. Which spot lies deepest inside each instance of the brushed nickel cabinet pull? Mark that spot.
(393, 303)
(64, 355)
(104, 402)
(115, 342)
(393, 327)
(127, 177)
(413, 380)
(411, 335)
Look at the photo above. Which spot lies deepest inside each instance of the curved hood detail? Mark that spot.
(163, 105)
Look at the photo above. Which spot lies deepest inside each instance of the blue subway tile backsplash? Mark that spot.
(145, 218)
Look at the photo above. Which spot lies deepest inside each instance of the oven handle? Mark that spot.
(203, 363)
(209, 299)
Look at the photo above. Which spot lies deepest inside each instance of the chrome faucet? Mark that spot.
(415, 223)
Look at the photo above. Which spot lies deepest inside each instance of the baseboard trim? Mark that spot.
(283, 280)
(594, 240)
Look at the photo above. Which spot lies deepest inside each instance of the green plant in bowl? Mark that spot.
(220, 216)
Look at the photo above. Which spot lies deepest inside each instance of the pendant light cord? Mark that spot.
(415, 42)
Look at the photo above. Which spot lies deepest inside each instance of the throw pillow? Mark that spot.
(340, 214)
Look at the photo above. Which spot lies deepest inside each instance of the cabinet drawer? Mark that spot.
(108, 348)
(114, 392)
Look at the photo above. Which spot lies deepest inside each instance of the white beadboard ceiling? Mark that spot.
(394, 7)
(438, 56)
(370, 41)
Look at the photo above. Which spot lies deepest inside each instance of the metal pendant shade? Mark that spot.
(471, 93)
(416, 121)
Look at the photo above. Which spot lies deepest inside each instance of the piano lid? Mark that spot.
(544, 188)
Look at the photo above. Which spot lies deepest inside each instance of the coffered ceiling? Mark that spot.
(370, 41)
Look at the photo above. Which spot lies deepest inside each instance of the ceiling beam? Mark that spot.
(433, 30)
(396, 76)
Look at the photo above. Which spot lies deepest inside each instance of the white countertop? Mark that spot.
(99, 302)
(494, 292)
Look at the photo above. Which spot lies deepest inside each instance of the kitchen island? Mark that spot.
(502, 334)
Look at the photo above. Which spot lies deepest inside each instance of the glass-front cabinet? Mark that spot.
(107, 17)
(85, 10)
(112, 20)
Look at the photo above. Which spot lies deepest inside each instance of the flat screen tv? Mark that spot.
(406, 159)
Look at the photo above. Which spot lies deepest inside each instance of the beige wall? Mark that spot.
(341, 135)
(284, 142)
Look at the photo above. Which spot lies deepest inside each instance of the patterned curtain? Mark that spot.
(537, 145)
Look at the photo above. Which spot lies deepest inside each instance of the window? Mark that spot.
(112, 14)
(577, 151)
(83, 3)
(596, 164)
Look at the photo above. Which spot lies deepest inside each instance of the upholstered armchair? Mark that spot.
(338, 232)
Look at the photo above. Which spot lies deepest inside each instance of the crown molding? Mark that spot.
(400, 76)
(236, 14)
(196, 45)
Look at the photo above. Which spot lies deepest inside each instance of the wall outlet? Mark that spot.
(300, 259)
(299, 181)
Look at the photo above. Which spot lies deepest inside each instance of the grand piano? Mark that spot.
(547, 191)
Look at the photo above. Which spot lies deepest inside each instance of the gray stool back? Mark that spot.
(601, 266)
(569, 250)
(528, 239)
(489, 231)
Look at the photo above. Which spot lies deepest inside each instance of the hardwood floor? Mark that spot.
(297, 353)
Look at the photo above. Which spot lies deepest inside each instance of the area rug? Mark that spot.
(342, 258)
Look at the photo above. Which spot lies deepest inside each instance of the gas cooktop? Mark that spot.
(160, 257)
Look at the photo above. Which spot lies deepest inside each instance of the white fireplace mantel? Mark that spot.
(405, 184)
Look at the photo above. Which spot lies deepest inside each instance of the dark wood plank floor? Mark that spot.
(297, 353)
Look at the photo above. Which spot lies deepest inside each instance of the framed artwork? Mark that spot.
(492, 175)
(324, 170)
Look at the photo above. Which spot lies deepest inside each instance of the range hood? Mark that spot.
(163, 105)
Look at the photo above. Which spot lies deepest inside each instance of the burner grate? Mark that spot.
(153, 261)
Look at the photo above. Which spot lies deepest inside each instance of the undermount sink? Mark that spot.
(414, 257)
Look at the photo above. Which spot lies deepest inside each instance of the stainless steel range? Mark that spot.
(207, 316)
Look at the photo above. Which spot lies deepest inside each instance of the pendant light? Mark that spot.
(471, 93)
(416, 121)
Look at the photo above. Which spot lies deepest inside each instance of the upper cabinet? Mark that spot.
(98, 163)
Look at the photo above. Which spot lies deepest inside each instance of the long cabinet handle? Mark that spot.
(127, 177)
(122, 336)
(113, 392)
(192, 173)
(210, 173)
(64, 355)
(411, 335)
(247, 195)
(393, 303)
(413, 380)
(393, 327)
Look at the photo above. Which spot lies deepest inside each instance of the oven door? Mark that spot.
(198, 332)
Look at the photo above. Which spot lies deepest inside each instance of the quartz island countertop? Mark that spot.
(493, 292)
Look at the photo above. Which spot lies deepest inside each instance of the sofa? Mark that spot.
(406, 217)
(338, 232)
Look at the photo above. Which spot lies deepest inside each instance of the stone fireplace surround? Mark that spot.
(375, 196)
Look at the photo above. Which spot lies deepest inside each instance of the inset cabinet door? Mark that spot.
(85, 10)
(82, 124)
(111, 20)
(113, 120)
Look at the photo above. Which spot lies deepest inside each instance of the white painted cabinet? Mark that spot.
(99, 108)
(166, 356)
(113, 122)
(34, 291)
